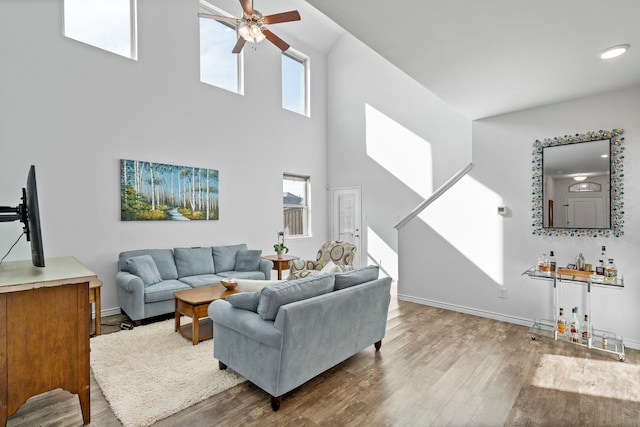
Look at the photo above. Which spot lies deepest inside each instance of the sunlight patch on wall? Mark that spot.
(400, 151)
(609, 379)
(466, 217)
(382, 254)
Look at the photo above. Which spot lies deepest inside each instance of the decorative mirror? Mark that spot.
(577, 185)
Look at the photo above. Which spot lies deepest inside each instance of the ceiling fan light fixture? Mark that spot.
(251, 32)
(614, 51)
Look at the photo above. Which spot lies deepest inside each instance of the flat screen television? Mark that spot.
(28, 213)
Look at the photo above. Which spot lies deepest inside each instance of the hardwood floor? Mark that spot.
(435, 368)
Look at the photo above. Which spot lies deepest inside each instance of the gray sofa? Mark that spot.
(286, 334)
(147, 278)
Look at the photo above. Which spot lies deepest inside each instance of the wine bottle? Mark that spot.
(561, 323)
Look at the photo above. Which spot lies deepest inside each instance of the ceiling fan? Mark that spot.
(252, 25)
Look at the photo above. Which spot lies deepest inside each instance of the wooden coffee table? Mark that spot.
(194, 303)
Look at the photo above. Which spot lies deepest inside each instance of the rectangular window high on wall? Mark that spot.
(106, 24)
(295, 202)
(295, 82)
(218, 65)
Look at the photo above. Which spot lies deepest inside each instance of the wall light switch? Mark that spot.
(503, 210)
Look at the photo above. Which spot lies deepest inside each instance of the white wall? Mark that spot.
(74, 111)
(360, 80)
(439, 272)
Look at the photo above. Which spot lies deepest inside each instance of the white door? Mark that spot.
(346, 219)
(585, 212)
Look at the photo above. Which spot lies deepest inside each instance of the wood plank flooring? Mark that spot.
(435, 368)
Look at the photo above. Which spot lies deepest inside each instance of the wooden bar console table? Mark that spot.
(44, 332)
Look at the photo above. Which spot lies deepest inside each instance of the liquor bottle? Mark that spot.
(552, 262)
(543, 263)
(580, 262)
(561, 323)
(585, 329)
(600, 268)
(610, 272)
(604, 341)
(574, 326)
(603, 252)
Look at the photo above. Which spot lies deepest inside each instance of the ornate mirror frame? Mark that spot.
(616, 184)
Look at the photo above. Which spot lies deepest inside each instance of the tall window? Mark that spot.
(218, 66)
(107, 24)
(295, 201)
(295, 82)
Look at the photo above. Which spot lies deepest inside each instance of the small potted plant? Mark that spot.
(280, 247)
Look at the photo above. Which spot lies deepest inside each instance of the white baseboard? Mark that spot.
(488, 314)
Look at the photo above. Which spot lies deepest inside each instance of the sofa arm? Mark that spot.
(266, 265)
(129, 282)
(245, 322)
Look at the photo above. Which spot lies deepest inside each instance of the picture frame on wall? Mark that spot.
(162, 192)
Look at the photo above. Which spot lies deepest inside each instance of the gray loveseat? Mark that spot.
(286, 334)
(147, 278)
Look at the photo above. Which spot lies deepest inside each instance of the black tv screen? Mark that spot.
(32, 225)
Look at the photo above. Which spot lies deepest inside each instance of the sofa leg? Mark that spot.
(222, 366)
(275, 402)
(378, 345)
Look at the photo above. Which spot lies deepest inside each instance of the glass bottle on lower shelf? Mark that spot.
(574, 326)
(586, 334)
(561, 324)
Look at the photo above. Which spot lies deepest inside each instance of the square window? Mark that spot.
(106, 24)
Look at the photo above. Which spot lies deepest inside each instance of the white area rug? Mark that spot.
(151, 372)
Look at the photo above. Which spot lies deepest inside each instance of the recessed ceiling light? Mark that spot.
(579, 178)
(614, 51)
(604, 156)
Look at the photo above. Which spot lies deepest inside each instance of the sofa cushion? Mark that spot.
(356, 277)
(248, 260)
(246, 300)
(201, 280)
(272, 297)
(193, 261)
(163, 291)
(250, 275)
(144, 267)
(163, 258)
(224, 257)
(330, 267)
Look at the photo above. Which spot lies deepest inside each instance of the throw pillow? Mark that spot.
(193, 261)
(272, 297)
(246, 300)
(356, 277)
(330, 267)
(224, 257)
(144, 267)
(248, 260)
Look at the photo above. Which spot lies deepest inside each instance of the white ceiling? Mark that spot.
(488, 57)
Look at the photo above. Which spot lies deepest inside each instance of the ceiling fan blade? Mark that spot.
(292, 15)
(275, 40)
(219, 18)
(239, 45)
(246, 7)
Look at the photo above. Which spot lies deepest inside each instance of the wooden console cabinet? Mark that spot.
(44, 332)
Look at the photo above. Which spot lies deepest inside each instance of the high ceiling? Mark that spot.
(488, 57)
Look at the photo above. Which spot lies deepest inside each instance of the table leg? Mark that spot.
(98, 313)
(279, 272)
(176, 315)
(195, 329)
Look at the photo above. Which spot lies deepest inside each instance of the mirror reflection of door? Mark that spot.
(346, 219)
(585, 212)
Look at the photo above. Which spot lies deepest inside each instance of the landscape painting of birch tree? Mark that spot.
(160, 192)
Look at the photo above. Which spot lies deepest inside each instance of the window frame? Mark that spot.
(206, 7)
(305, 60)
(306, 207)
(133, 31)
